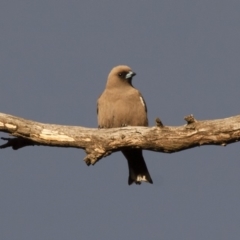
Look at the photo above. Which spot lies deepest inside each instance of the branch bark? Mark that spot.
(99, 143)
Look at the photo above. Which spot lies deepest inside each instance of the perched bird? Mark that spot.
(122, 105)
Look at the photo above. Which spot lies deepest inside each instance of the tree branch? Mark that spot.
(99, 143)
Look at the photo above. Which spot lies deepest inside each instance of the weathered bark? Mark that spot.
(99, 143)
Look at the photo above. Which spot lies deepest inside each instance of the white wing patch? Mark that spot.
(142, 101)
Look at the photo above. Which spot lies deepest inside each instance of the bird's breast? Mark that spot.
(121, 110)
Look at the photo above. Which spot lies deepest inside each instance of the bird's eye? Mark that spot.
(120, 74)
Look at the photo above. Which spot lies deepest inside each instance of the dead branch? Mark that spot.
(99, 143)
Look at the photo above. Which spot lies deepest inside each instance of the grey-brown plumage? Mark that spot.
(122, 105)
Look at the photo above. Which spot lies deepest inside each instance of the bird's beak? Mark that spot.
(130, 75)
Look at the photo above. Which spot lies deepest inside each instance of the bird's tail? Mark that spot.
(138, 171)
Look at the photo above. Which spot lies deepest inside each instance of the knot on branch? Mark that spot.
(159, 123)
(17, 143)
(190, 119)
(95, 154)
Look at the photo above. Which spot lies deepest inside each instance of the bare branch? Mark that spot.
(99, 143)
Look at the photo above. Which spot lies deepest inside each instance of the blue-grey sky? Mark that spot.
(54, 59)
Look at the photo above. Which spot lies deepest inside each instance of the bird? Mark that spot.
(121, 105)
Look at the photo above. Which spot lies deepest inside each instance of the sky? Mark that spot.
(55, 57)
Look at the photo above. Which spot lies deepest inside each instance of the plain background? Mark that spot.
(54, 60)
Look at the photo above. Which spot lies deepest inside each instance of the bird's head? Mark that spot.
(120, 76)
